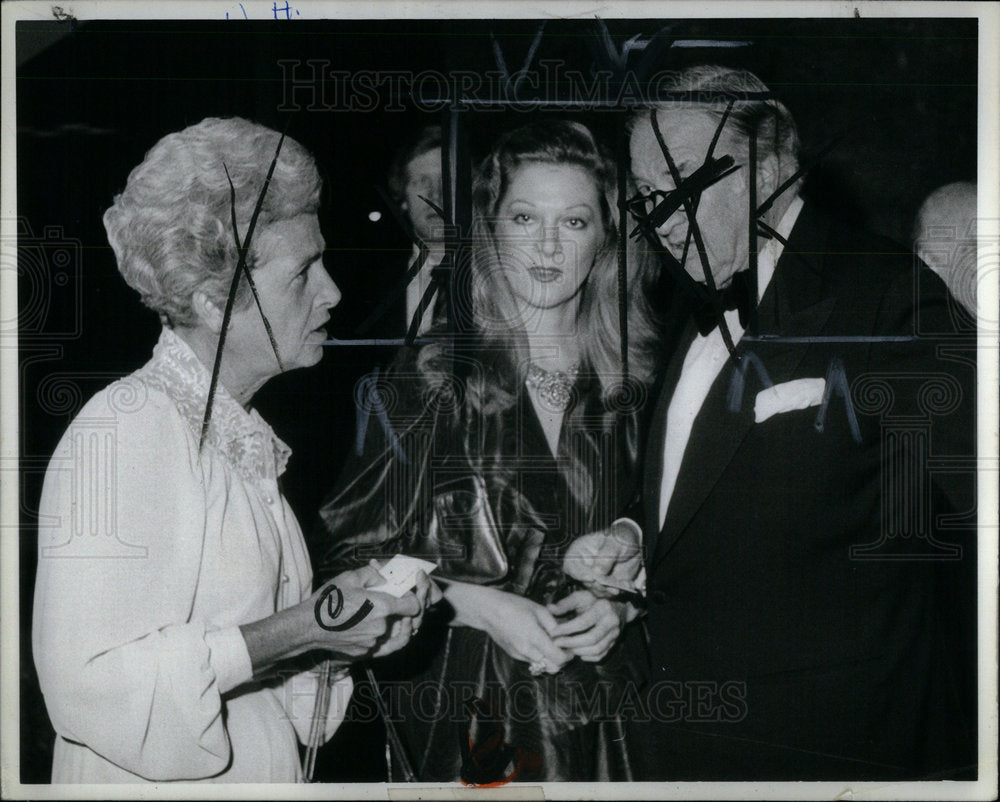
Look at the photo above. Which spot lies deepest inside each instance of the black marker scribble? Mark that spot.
(734, 397)
(371, 401)
(241, 266)
(246, 271)
(836, 382)
(687, 194)
(335, 608)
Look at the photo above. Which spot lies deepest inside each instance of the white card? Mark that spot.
(401, 574)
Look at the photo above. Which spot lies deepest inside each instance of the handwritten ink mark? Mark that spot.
(334, 609)
(371, 401)
(62, 15)
(501, 62)
(287, 9)
(241, 266)
(836, 382)
(734, 398)
(333, 342)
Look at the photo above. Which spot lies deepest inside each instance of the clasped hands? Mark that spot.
(585, 624)
(608, 563)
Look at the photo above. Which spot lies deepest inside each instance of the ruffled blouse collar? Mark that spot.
(243, 437)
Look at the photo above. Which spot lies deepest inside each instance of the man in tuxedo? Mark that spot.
(810, 541)
(415, 179)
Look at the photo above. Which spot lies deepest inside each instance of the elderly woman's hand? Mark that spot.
(403, 629)
(355, 621)
(344, 618)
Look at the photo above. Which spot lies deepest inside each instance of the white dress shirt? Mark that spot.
(704, 361)
(151, 555)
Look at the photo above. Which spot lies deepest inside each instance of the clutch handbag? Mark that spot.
(462, 536)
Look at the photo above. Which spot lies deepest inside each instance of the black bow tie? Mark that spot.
(738, 294)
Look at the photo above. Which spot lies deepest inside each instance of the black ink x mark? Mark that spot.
(241, 268)
(687, 193)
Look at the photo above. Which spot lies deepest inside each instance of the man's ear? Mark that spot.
(208, 314)
(768, 176)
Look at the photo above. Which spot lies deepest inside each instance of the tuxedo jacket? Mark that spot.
(811, 594)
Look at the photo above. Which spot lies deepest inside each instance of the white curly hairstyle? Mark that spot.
(171, 228)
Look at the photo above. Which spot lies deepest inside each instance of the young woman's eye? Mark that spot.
(576, 222)
(523, 218)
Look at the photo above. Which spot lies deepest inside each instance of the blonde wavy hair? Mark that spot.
(494, 312)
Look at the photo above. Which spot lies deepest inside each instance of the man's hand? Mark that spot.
(608, 562)
(594, 628)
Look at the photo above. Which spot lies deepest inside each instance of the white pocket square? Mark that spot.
(788, 396)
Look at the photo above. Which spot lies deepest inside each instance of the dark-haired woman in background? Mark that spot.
(523, 679)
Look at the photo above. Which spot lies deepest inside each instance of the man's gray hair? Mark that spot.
(712, 87)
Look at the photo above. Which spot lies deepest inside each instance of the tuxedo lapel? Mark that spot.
(793, 308)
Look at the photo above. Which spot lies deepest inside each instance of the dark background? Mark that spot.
(92, 98)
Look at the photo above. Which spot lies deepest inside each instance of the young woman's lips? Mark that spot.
(545, 275)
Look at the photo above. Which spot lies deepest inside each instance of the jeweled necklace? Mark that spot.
(554, 387)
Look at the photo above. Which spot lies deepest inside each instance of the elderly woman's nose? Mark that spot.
(329, 293)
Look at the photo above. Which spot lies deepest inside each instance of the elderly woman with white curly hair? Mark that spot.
(174, 583)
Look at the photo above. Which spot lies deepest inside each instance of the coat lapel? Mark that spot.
(793, 308)
(653, 474)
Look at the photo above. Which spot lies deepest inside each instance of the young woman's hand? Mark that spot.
(518, 625)
(524, 630)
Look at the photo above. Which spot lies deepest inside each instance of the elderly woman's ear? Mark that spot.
(209, 315)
